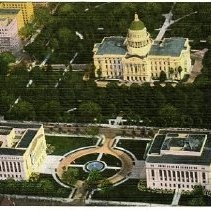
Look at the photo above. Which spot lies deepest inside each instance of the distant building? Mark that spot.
(179, 160)
(26, 8)
(9, 39)
(40, 4)
(22, 150)
(13, 13)
(137, 58)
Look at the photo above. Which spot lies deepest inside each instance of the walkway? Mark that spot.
(49, 165)
(106, 148)
(197, 67)
(176, 198)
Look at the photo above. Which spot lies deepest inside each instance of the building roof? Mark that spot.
(12, 151)
(155, 156)
(5, 130)
(112, 45)
(137, 24)
(168, 47)
(27, 139)
(9, 11)
(6, 202)
(19, 125)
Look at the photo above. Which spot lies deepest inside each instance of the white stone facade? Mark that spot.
(140, 59)
(176, 176)
(9, 39)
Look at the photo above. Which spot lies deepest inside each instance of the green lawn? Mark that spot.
(129, 192)
(86, 158)
(109, 172)
(44, 186)
(66, 144)
(111, 160)
(185, 200)
(105, 174)
(137, 147)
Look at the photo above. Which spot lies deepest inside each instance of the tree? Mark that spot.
(34, 177)
(89, 110)
(66, 36)
(22, 111)
(162, 77)
(106, 186)
(70, 176)
(168, 115)
(42, 16)
(171, 72)
(180, 70)
(197, 196)
(92, 130)
(94, 179)
(51, 111)
(8, 57)
(99, 72)
(27, 30)
(46, 186)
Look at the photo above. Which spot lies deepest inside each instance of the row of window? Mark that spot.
(178, 176)
(138, 44)
(10, 176)
(172, 166)
(135, 66)
(10, 167)
(136, 78)
(113, 74)
(113, 67)
(115, 61)
(176, 185)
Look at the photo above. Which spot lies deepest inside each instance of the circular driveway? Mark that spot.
(106, 148)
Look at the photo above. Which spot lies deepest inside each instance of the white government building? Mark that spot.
(179, 160)
(22, 150)
(137, 58)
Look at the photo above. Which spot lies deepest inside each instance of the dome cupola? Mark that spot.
(138, 39)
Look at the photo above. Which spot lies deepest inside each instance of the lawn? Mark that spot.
(137, 147)
(84, 159)
(109, 172)
(185, 200)
(111, 160)
(105, 174)
(66, 144)
(44, 186)
(129, 192)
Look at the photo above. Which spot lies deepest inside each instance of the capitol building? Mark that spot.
(138, 58)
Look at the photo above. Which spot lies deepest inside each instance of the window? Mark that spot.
(11, 168)
(196, 175)
(153, 173)
(7, 165)
(3, 166)
(178, 175)
(160, 173)
(19, 167)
